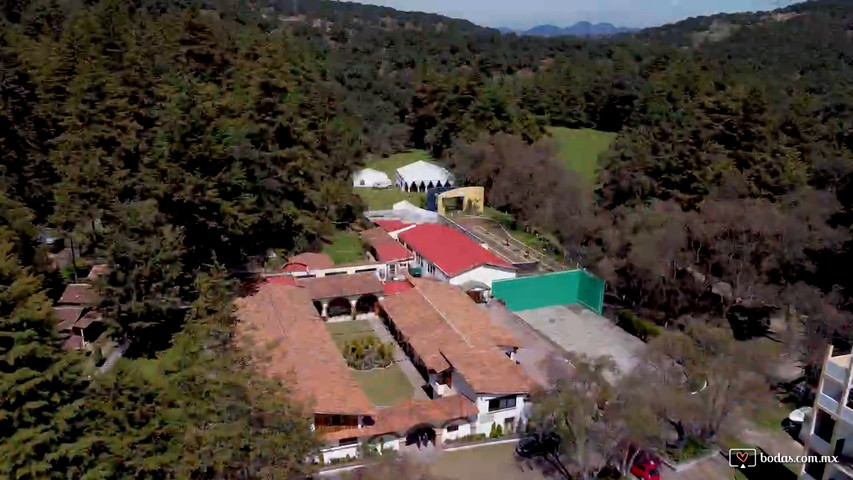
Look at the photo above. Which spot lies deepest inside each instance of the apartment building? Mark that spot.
(831, 427)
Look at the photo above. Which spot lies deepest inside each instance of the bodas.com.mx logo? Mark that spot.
(742, 457)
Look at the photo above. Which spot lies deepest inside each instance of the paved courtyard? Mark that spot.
(579, 330)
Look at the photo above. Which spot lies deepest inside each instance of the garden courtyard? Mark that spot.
(384, 386)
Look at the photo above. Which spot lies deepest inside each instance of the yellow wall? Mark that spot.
(473, 199)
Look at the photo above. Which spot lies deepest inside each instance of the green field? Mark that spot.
(393, 162)
(384, 387)
(579, 149)
(344, 247)
(384, 199)
(342, 332)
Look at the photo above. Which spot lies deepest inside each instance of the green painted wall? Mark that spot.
(559, 288)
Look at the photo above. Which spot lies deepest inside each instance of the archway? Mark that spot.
(366, 304)
(319, 306)
(339, 306)
(438, 184)
(420, 434)
(421, 188)
(414, 187)
(430, 185)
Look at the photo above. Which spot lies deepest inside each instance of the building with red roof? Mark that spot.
(447, 254)
(392, 225)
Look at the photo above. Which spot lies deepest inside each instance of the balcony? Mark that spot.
(837, 367)
(819, 445)
(827, 403)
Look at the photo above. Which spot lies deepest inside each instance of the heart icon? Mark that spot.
(742, 456)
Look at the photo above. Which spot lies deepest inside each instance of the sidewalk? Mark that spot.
(400, 358)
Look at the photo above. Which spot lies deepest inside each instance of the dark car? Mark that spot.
(537, 445)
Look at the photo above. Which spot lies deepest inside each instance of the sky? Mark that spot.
(527, 13)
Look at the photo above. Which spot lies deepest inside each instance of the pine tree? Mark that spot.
(42, 387)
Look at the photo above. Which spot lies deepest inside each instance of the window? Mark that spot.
(431, 269)
(509, 422)
(348, 441)
(452, 428)
(392, 269)
(502, 403)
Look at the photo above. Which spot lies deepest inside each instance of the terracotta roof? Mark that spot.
(91, 317)
(449, 249)
(305, 261)
(78, 294)
(471, 319)
(291, 343)
(387, 249)
(97, 271)
(397, 420)
(67, 315)
(443, 336)
(281, 280)
(341, 285)
(392, 288)
(391, 225)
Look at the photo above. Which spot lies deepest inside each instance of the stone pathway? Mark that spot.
(400, 358)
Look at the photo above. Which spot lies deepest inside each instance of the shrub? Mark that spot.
(368, 352)
(636, 326)
(477, 437)
(693, 447)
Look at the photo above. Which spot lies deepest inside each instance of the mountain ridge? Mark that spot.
(579, 29)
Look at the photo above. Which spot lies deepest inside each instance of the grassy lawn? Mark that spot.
(580, 148)
(344, 247)
(384, 387)
(342, 332)
(393, 162)
(494, 462)
(384, 199)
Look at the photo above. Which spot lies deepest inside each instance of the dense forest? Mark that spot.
(172, 141)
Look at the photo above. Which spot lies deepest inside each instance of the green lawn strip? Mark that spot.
(344, 247)
(384, 387)
(770, 416)
(579, 149)
(391, 163)
(343, 332)
(385, 198)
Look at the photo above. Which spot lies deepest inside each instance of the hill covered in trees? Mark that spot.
(173, 140)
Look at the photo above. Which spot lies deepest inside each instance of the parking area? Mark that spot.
(578, 330)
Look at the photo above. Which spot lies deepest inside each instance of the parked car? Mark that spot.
(646, 467)
(537, 445)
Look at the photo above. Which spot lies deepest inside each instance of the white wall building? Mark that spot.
(446, 254)
(830, 429)
(420, 176)
(370, 178)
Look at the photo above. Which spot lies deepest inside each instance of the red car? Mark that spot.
(646, 467)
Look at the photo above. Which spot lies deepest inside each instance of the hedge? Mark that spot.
(636, 326)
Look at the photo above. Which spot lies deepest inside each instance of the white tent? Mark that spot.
(370, 178)
(420, 176)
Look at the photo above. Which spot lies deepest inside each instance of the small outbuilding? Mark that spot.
(370, 178)
(420, 176)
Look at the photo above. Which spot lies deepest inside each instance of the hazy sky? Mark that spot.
(527, 13)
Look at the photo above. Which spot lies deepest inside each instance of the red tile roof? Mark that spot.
(282, 280)
(344, 285)
(78, 294)
(391, 225)
(392, 288)
(67, 315)
(387, 249)
(397, 420)
(290, 342)
(449, 249)
(305, 261)
(444, 337)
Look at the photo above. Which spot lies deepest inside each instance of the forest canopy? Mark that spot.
(174, 140)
